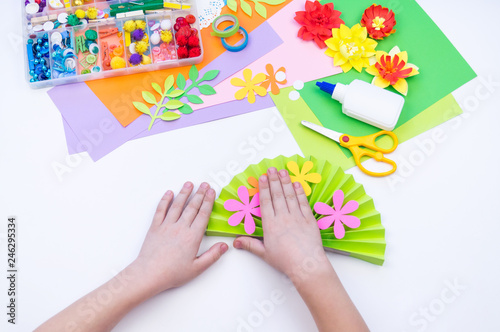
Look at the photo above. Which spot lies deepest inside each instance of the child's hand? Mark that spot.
(168, 257)
(292, 241)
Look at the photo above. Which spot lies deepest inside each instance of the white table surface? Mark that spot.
(76, 232)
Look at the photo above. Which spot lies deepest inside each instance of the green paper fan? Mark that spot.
(367, 242)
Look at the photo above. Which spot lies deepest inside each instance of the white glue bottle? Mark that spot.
(366, 102)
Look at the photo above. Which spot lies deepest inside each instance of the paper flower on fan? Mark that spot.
(302, 176)
(317, 22)
(249, 85)
(338, 215)
(272, 78)
(245, 209)
(350, 47)
(392, 69)
(255, 186)
(379, 21)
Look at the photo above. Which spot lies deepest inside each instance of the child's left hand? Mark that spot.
(168, 257)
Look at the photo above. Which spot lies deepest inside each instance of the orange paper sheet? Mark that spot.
(118, 93)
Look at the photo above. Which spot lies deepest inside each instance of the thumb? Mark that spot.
(211, 256)
(253, 245)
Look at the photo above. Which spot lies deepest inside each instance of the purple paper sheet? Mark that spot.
(91, 127)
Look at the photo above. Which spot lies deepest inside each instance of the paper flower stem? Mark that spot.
(153, 118)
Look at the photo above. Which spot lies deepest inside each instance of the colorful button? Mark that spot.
(32, 8)
(62, 18)
(91, 59)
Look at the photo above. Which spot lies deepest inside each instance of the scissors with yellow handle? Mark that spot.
(354, 144)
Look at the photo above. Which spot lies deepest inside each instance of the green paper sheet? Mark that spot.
(442, 68)
(312, 143)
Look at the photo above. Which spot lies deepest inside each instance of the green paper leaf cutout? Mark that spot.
(170, 116)
(260, 9)
(271, 2)
(169, 82)
(181, 82)
(210, 75)
(246, 7)
(186, 109)
(149, 97)
(206, 90)
(233, 5)
(142, 108)
(194, 99)
(173, 104)
(175, 93)
(193, 73)
(157, 88)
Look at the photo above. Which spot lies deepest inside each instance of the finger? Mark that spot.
(277, 194)
(201, 221)
(161, 210)
(177, 207)
(211, 256)
(290, 195)
(191, 210)
(250, 244)
(303, 202)
(266, 203)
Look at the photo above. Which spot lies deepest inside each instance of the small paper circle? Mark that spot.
(280, 76)
(298, 85)
(48, 26)
(32, 8)
(294, 95)
(62, 18)
(56, 38)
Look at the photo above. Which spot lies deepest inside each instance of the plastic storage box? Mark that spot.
(106, 43)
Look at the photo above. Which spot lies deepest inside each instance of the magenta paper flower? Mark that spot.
(245, 208)
(338, 215)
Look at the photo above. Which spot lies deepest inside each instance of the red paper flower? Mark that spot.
(317, 22)
(379, 21)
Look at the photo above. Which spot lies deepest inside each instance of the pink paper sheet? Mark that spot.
(294, 54)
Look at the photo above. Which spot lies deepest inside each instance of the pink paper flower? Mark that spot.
(338, 215)
(245, 209)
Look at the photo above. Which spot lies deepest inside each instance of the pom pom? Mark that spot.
(166, 36)
(118, 63)
(182, 52)
(140, 24)
(194, 52)
(190, 19)
(182, 41)
(92, 13)
(80, 13)
(129, 26)
(146, 60)
(193, 41)
(138, 34)
(73, 20)
(141, 47)
(135, 59)
(183, 31)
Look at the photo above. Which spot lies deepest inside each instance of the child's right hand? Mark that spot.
(292, 241)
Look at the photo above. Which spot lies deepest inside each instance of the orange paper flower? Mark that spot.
(255, 184)
(272, 78)
(379, 21)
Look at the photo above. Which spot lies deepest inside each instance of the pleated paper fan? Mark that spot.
(366, 242)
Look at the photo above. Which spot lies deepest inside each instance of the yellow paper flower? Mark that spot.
(302, 176)
(392, 69)
(350, 47)
(249, 85)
